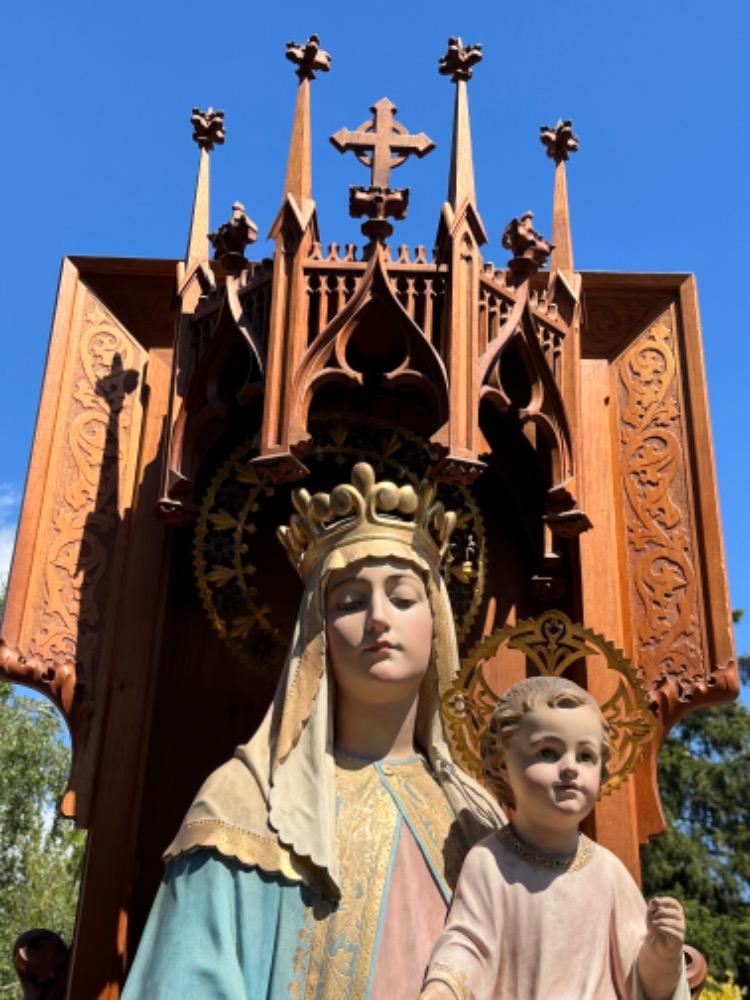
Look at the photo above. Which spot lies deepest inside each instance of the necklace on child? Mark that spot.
(560, 862)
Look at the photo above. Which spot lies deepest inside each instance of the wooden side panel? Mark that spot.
(719, 630)
(100, 948)
(664, 575)
(65, 581)
(662, 520)
(678, 602)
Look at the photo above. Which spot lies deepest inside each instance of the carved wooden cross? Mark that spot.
(382, 143)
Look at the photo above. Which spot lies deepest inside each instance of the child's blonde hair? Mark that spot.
(553, 692)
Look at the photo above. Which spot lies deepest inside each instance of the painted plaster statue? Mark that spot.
(541, 911)
(319, 862)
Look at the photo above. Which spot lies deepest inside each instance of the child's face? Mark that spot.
(554, 765)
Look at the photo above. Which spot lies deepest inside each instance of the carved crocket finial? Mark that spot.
(459, 60)
(529, 248)
(309, 57)
(208, 128)
(230, 240)
(559, 140)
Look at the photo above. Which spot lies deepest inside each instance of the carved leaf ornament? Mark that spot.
(86, 512)
(660, 543)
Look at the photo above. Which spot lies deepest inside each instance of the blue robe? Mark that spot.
(219, 930)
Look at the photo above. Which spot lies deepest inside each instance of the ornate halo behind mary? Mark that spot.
(291, 872)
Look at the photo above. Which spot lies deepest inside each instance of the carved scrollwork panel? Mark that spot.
(664, 572)
(89, 486)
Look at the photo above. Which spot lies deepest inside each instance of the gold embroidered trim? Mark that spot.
(336, 951)
(342, 946)
(430, 816)
(245, 847)
(452, 978)
(561, 862)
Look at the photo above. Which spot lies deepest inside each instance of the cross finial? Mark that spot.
(208, 128)
(309, 57)
(559, 140)
(459, 60)
(382, 143)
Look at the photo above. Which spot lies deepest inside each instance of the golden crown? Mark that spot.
(366, 510)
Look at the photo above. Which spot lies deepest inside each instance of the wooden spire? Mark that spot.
(560, 143)
(192, 275)
(459, 442)
(294, 230)
(309, 58)
(458, 63)
(208, 131)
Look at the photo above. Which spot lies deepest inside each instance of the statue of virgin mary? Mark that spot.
(320, 860)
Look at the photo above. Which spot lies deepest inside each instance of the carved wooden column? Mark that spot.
(295, 229)
(460, 235)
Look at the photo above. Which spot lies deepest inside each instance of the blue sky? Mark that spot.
(98, 158)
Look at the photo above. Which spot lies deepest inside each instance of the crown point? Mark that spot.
(408, 500)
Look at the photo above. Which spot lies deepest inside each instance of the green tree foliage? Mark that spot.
(704, 857)
(40, 853)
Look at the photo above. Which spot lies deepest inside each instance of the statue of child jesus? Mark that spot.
(540, 911)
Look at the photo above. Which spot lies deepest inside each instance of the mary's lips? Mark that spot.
(375, 646)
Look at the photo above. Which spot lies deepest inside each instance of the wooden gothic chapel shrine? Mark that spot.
(563, 412)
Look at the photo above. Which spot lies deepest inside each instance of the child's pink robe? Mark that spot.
(518, 931)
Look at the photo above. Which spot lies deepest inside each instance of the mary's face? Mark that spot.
(379, 630)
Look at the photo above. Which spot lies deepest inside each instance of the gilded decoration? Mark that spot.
(241, 510)
(552, 645)
(572, 862)
(334, 958)
(93, 475)
(339, 949)
(440, 972)
(665, 585)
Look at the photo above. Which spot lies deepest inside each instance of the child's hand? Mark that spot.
(437, 991)
(665, 922)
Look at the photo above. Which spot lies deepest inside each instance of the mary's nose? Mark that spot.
(377, 619)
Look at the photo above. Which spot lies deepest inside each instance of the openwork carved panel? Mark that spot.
(93, 471)
(663, 569)
(552, 644)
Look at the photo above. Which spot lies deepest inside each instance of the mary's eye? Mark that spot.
(402, 597)
(587, 757)
(350, 604)
(548, 754)
(403, 602)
